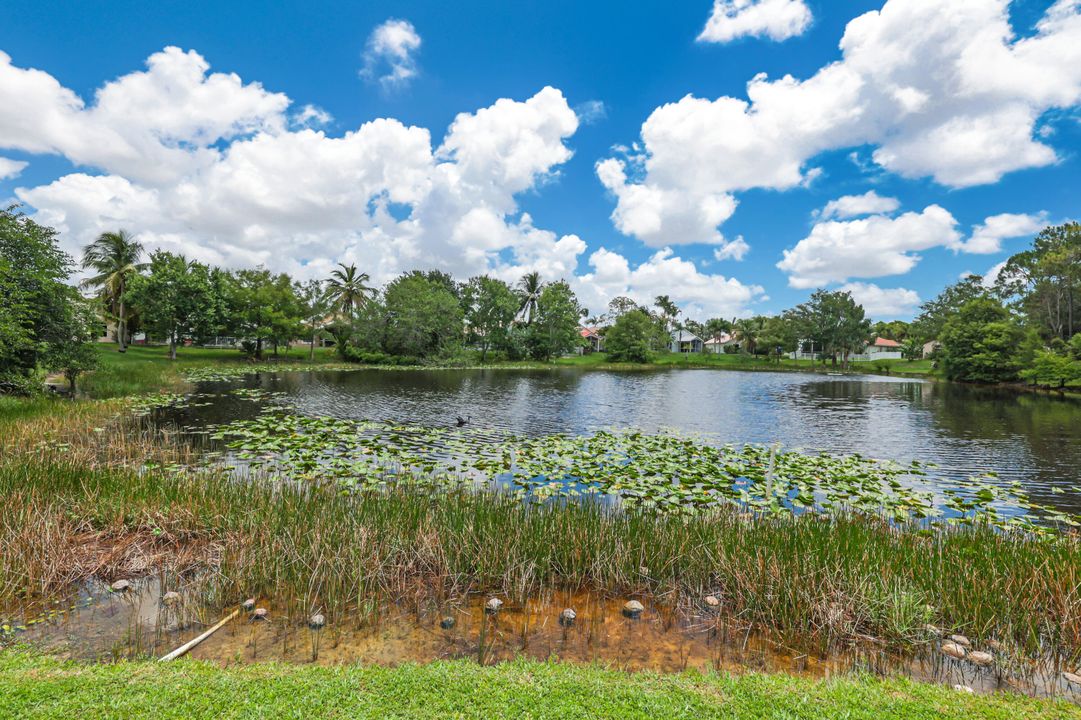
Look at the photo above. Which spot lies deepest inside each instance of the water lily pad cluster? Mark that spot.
(666, 471)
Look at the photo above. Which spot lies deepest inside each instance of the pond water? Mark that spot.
(1030, 438)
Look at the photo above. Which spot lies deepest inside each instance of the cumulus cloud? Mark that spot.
(987, 237)
(883, 303)
(939, 89)
(699, 294)
(775, 19)
(11, 168)
(849, 206)
(732, 249)
(591, 111)
(876, 246)
(390, 54)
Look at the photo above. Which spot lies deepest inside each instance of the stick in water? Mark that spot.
(195, 641)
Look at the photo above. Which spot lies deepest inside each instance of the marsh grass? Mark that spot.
(812, 583)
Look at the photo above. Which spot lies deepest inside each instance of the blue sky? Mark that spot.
(980, 136)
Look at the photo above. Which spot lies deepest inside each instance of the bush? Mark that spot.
(628, 339)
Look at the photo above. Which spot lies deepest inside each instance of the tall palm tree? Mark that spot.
(114, 257)
(529, 289)
(748, 331)
(346, 289)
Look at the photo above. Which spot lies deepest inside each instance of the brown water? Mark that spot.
(99, 625)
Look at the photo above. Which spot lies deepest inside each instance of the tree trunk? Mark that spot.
(259, 349)
(172, 346)
(311, 350)
(122, 325)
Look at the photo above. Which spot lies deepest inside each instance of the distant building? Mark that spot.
(685, 341)
(929, 347)
(879, 349)
(594, 342)
(718, 343)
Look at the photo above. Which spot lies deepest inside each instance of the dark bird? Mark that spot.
(464, 421)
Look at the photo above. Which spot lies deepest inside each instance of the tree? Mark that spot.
(834, 321)
(263, 309)
(934, 313)
(314, 307)
(529, 290)
(423, 318)
(69, 344)
(114, 257)
(1045, 281)
(346, 289)
(892, 330)
(490, 307)
(555, 329)
(747, 330)
(173, 299)
(628, 340)
(34, 297)
(669, 310)
(980, 343)
(619, 306)
(717, 326)
(778, 336)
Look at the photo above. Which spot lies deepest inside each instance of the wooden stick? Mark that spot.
(195, 641)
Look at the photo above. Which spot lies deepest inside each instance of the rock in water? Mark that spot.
(170, 599)
(983, 659)
(633, 608)
(260, 614)
(447, 623)
(316, 622)
(712, 601)
(953, 650)
(961, 640)
(493, 605)
(248, 604)
(567, 617)
(120, 586)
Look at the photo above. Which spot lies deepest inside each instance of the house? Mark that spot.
(879, 349)
(594, 342)
(929, 347)
(685, 341)
(721, 343)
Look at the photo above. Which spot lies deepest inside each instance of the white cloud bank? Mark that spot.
(220, 169)
(11, 168)
(939, 88)
(850, 206)
(880, 244)
(390, 54)
(883, 303)
(775, 19)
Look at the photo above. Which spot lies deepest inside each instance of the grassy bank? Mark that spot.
(738, 361)
(39, 687)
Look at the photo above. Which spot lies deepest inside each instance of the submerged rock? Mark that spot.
(248, 604)
(260, 614)
(961, 640)
(170, 599)
(493, 605)
(978, 657)
(316, 622)
(447, 623)
(120, 586)
(712, 601)
(567, 617)
(633, 608)
(953, 650)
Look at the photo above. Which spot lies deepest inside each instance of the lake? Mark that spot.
(965, 430)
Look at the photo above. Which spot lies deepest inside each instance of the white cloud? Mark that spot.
(11, 168)
(938, 88)
(849, 206)
(591, 111)
(883, 303)
(987, 237)
(775, 19)
(991, 276)
(876, 246)
(699, 294)
(390, 54)
(732, 249)
(311, 116)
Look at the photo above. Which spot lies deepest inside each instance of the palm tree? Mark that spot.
(747, 330)
(347, 290)
(529, 289)
(114, 256)
(669, 310)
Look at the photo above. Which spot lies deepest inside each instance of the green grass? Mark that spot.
(37, 687)
(745, 362)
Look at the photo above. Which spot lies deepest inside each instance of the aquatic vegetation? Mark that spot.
(664, 472)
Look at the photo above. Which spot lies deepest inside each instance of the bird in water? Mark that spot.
(464, 421)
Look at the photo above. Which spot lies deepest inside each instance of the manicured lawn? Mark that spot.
(40, 687)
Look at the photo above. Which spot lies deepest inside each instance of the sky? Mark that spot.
(732, 154)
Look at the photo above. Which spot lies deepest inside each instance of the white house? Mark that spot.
(718, 343)
(685, 341)
(879, 349)
(594, 342)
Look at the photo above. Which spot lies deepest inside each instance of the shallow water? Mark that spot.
(1034, 439)
(98, 625)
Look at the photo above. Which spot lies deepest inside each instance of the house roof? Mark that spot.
(684, 336)
(721, 339)
(587, 332)
(886, 342)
